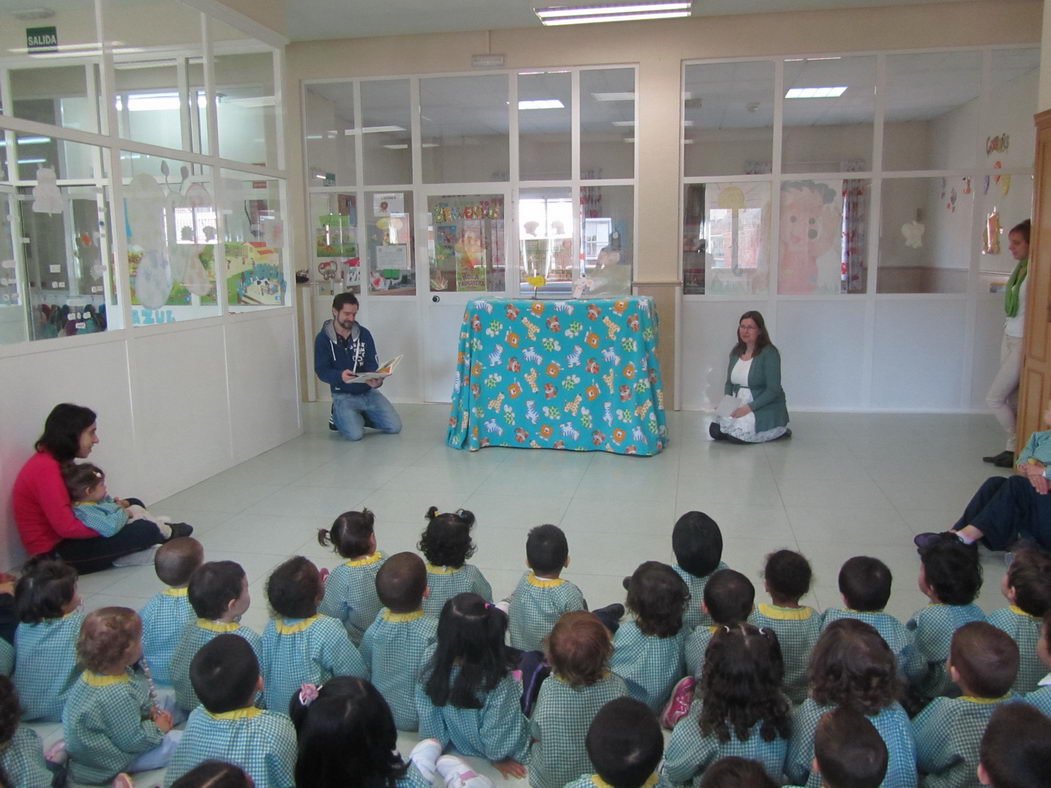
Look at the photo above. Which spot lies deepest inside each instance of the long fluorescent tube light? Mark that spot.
(380, 129)
(541, 104)
(828, 92)
(614, 12)
(31, 161)
(27, 141)
(613, 96)
(590, 20)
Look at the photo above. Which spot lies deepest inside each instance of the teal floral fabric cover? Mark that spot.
(580, 375)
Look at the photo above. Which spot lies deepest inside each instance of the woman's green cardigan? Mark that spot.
(764, 380)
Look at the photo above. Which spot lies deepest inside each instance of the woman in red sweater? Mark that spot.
(42, 507)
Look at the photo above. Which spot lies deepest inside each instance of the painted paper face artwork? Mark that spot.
(47, 197)
(810, 236)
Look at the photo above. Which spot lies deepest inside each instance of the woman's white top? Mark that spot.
(1015, 326)
(739, 375)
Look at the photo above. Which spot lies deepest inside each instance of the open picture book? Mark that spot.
(384, 371)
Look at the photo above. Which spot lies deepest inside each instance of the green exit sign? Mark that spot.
(42, 39)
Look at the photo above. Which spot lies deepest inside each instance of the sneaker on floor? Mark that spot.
(56, 753)
(123, 780)
(332, 424)
(180, 530)
(424, 757)
(457, 773)
(1004, 459)
(678, 705)
(141, 558)
(928, 539)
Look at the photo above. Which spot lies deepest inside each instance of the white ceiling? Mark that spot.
(317, 19)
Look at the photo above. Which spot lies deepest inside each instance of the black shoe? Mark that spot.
(716, 432)
(179, 530)
(929, 539)
(1004, 459)
(626, 582)
(332, 424)
(786, 434)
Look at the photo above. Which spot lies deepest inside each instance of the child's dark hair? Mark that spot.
(225, 673)
(351, 534)
(46, 586)
(697, 543)
(850, 752)
(105, 637)
(294, 588)
(546, 550)
(658, 598)
(347, 737)
(986, 658)
(729, 597)
(401, 582)
(81, 478)
(1030, 576)
(446, 541)
(625, 743)
(1016, 746)
(952, 571)
(62, 430)
(735, 772)
(741, 685)
(852, 666)
(865, 583)
(578, 648)
(177, 559)
(787, 575)
(10, 716)
(470, 636)
(214, 774)
(213, 586)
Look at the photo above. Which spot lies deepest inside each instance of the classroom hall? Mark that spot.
(198, 154)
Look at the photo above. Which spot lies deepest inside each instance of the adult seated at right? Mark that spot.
(1008, 509)
(43, 510)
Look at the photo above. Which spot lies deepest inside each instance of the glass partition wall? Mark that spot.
(844, 175)
(500, 182)
(140, 168)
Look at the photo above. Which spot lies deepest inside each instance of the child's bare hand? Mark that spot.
(122, 502)
(163, 720)
(509, 767)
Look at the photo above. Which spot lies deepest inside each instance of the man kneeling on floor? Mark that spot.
(343, 350)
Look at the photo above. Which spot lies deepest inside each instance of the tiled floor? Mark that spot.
(845, 484)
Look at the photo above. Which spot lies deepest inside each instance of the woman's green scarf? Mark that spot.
(1014, 284)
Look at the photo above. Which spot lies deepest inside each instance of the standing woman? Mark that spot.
(43, 511)
(754, 377)
(1003, 393)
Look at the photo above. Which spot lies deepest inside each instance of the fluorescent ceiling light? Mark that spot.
(381, 129)
(405, 145)
(27, 141)
(613, 96)
(827, 92)
(31, 161)
(623, 123)
(616, 12)
(155, 102)
(809, 59)
(541, 104)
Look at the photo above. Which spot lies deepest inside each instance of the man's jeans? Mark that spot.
(352, 411)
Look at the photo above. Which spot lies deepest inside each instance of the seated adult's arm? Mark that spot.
(325, 366)
(48, 492)
(772, 391)
(1030, 467)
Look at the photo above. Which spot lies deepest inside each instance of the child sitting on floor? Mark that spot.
(22, 763)
(851, 666)
(625, 745)
(213, 774)
(300, 646)
(1016, 748)
(467, 696)
(350, 590)
(111, 721)
(99, 511)
(218, 593)
(734, 772)
(648, 651)
(983, 661)
(728, 600)
(698, 546)
(848, 750)
(166, 614)
(49, 615)
(578, 650)
(950, 576)
(787, 578)
(227, 726)
(395, 644)
(347, 737)
(1027, 586)
(864, 584)
(740, 709)
(446, 544)
(542, 596)
(1041, 696)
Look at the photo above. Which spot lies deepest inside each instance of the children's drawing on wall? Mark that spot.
(47, 197)
(254, 274)
(736, 226)
(991, 233)
(810, 238)
(470, 257)
(913, 232)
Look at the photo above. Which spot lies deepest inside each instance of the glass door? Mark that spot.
(465, 243)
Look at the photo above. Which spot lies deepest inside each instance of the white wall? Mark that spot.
(175, 404)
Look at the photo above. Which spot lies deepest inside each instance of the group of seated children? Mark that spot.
(754, 694)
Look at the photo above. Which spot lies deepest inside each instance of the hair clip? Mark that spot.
(489, 605)
(459, 513)
(308, 693)
(726, 629)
